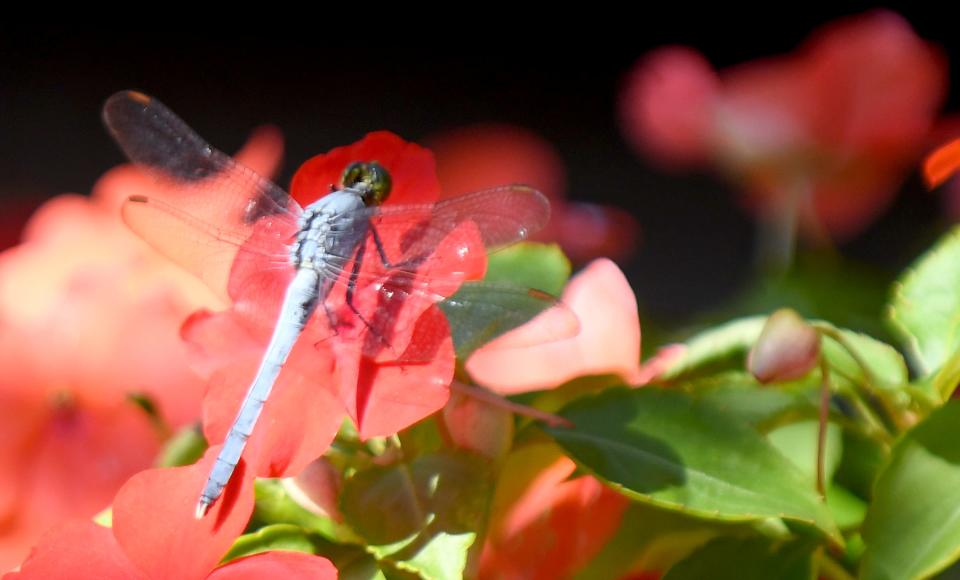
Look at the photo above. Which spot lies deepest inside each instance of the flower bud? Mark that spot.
(478, 426)
(316, 488)
(787, 348)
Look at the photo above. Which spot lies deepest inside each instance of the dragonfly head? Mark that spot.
(368, 178)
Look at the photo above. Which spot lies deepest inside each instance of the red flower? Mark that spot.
(155, 535)
(837, 124)
(482, 156)
(939, 168)
(546, 524)
(89, 315)
(329, 377)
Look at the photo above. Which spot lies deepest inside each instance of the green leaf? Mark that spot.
(480, 312)
(652, 538)
(912, 528)
(421, 516)
(847, 509)
(798, 443)
(276, 537)
(746, 559)
(184, 448)
(275, 506)
(530, 265)
(886, 367)
(725, 348)
(739, 395)
(716, 349)
(862, 460)
(667, 448)
(925, 308)
(944, 382)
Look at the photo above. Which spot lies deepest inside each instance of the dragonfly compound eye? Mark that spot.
(371, 179)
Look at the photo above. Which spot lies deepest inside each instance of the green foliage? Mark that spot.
(912, 528)
(721, 470)
(676, 452)
(747, 559)
(420, 515)
(531, 265)
(184, 448)
(478, 313)
(925, 309)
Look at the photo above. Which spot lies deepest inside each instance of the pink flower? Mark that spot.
(836, 124)
(608, 340)
(89, 317)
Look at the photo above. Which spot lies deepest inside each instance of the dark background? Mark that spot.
(324, 87)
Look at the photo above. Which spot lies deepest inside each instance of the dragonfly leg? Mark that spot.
(404, 265)
(331, 318)
(351, 290)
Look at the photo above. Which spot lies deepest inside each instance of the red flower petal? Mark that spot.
(81, 457)
(411, 169)
(298, 422)
(488, 155)
(545, 524)
(154, 522)
(276, 565)
(78, 550)
(385, 398)
(942, 164)
(388, 377)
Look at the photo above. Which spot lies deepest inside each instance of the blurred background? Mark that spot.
(691, 254)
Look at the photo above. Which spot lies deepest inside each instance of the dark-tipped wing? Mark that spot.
(203, 203)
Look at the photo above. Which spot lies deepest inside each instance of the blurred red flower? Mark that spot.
(327, 378)
(828, 131)
(545, 523)
(155, 535)
(943, 162)
(89, 316)
(487, 155)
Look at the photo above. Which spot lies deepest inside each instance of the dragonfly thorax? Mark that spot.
(330, 230)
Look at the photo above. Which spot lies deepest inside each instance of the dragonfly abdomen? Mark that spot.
(299, 303)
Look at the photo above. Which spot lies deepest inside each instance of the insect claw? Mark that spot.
(203, 506)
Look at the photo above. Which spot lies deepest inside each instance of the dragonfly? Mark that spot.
(220, 204)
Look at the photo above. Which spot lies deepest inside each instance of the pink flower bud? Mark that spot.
(786, 349)
(478, 426)
(316, 488)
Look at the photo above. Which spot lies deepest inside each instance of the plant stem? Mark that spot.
(496, 400)
(822, 430)
(777, 232)
(873, 394)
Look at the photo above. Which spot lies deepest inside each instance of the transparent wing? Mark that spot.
(418, 253)
(482, 311)
(503, 215)
(204, 204)
(406, 238)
